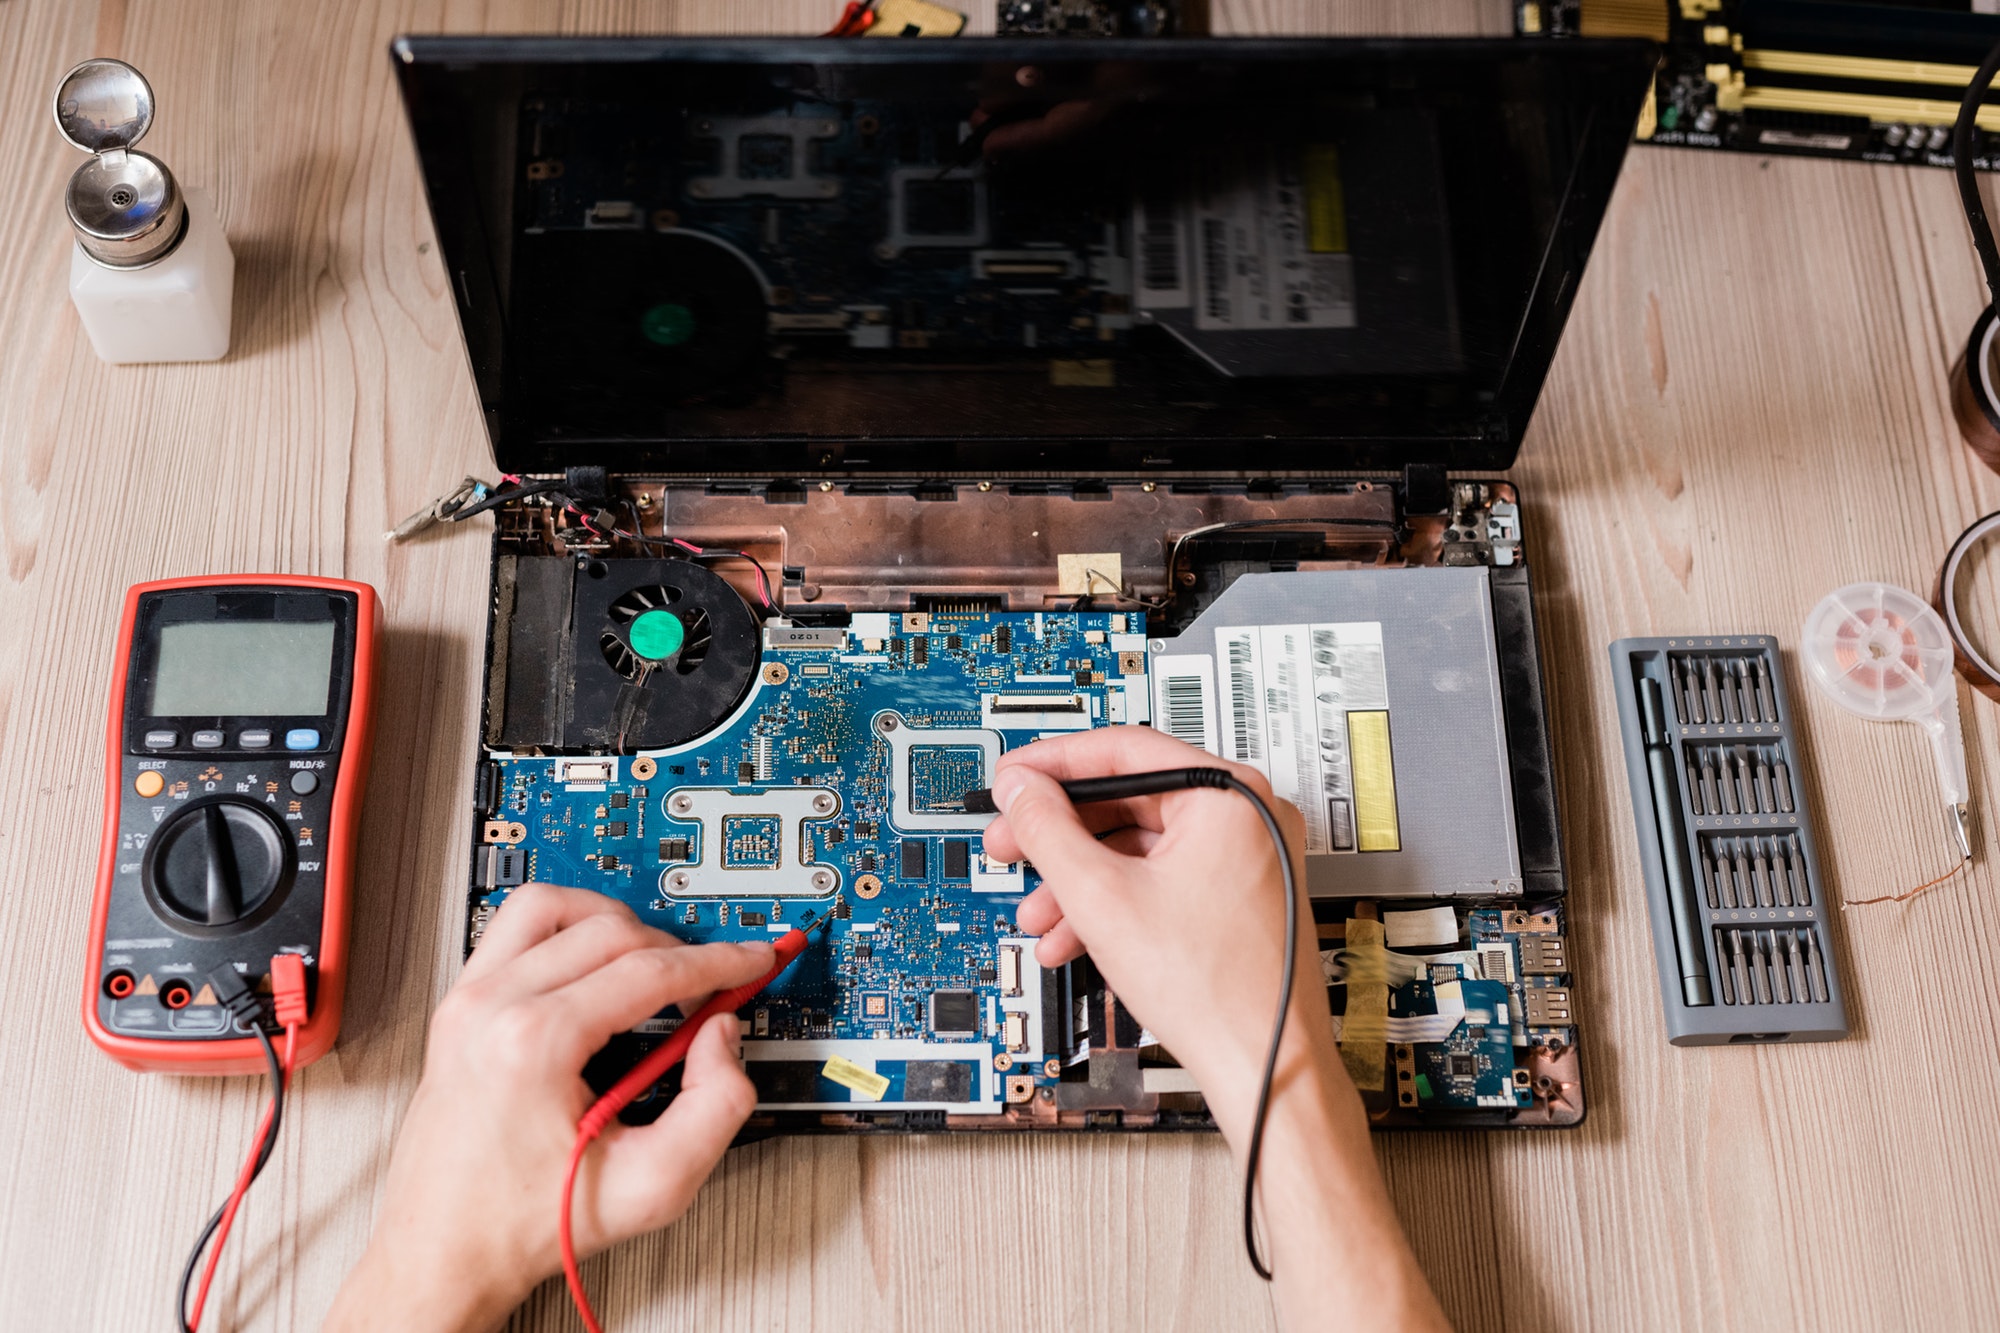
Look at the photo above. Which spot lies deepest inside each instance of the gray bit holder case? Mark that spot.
(1768, 945)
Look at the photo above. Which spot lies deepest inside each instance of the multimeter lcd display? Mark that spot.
(209, 668)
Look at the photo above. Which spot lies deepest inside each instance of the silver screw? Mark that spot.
(888, 723)
(680, 805)
(985, 485)
(822, 803)
(822, 879)
(679, 879)
(826, 485)
(1149, 486)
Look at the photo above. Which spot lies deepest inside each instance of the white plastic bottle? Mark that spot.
(150, 271)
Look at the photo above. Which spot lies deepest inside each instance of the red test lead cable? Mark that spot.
(643, 1076)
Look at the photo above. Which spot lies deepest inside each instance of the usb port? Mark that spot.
(1548, 1006)
(1543, 955)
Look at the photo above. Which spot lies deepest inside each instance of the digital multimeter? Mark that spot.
(241, 714)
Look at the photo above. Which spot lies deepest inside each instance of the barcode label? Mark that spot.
(1246, 704)
(1285, 695)
(1159, 240)
(1215, 270)
(1184, 698)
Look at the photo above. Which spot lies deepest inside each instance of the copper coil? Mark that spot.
(1975, 400)
(1972, 664)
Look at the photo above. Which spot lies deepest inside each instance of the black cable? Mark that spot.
(1968, 184)
(686, 548)
(1124, 786)
(498, 498)
(1256, 1153)
(270, 1141)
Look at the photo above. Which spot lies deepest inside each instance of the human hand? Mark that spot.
(1179, 904)
(468, 1222)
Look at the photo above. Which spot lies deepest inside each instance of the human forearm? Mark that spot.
(1328, 1231)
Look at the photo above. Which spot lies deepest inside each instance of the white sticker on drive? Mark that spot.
(1255, 262)
(1184, 698)
(1424, 928)
(1286, 693)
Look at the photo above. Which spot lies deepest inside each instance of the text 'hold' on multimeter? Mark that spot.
(241, 714)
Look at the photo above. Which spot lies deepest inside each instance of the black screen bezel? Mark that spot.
(213, 604)
(449, 83)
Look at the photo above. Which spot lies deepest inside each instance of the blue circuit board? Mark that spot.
(836, 787)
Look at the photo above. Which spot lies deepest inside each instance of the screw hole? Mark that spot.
(123, 197)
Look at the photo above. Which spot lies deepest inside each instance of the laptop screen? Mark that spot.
(1182, 256)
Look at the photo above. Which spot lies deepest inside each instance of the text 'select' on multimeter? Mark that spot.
(241, 714)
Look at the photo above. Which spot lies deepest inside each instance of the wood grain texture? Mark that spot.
(1749, 409)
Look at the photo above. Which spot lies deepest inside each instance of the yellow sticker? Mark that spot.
(915, 18)
(1091, 374)
(1376, 826)
(865, 1084)
(1364, 1032)
(1326, 202)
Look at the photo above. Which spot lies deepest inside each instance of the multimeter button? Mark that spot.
(161, 740)
(304, 783)
(302, 738)
(206, 740)
(206, 1018)
(149, 784)
(254, 740)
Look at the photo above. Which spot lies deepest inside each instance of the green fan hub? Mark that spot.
(657, 635)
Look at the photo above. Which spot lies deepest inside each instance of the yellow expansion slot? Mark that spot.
(1881, 110)
(1859, 67)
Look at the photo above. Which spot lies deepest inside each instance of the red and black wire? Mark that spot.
(288, 984)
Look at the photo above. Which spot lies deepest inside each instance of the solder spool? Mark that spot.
(1979, 672)
(1975, 403)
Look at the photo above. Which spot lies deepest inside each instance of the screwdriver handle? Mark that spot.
(675, 1048)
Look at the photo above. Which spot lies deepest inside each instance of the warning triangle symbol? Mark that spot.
(148, 986)
(159, 813)
(206, 995)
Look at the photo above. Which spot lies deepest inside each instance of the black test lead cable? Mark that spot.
(1124, 786)
(270, 1141)
(1968, 183)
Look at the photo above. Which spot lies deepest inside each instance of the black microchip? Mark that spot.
(954, 642)
(618, 800)
(864, 828)
(986, 974)
(751, 918)
(1003, 639)
(1462, 1066)
(913, 859)
(958, 860)
(784, 1080)
(607, 862)
(1477, 1034)
(864, 951)
(920, 651)
(1083, 678)
(867, 862)
(954, 1012)
(616, 828)
(937, 1081)
(895, 647)
(833, 837)
(746, 774)
(673, 849)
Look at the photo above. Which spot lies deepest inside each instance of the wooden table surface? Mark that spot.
(1748, 410)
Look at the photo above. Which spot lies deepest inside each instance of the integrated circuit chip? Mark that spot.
(954, 1013)
(913, 859)
(750, 842)
(941, 775)
(957, 859)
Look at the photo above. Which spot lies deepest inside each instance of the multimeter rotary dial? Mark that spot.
(216, 865)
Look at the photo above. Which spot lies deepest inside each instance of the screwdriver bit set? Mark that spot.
(1740, 929)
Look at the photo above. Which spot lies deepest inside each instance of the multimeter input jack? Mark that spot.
(119, 984)
(175, 995)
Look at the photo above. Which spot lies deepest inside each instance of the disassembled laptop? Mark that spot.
(847, 452)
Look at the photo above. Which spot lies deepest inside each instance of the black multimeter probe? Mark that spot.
(1124, 786)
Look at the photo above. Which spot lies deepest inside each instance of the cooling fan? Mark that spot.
(663, 651)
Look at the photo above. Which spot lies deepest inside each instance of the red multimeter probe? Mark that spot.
(241, 714)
